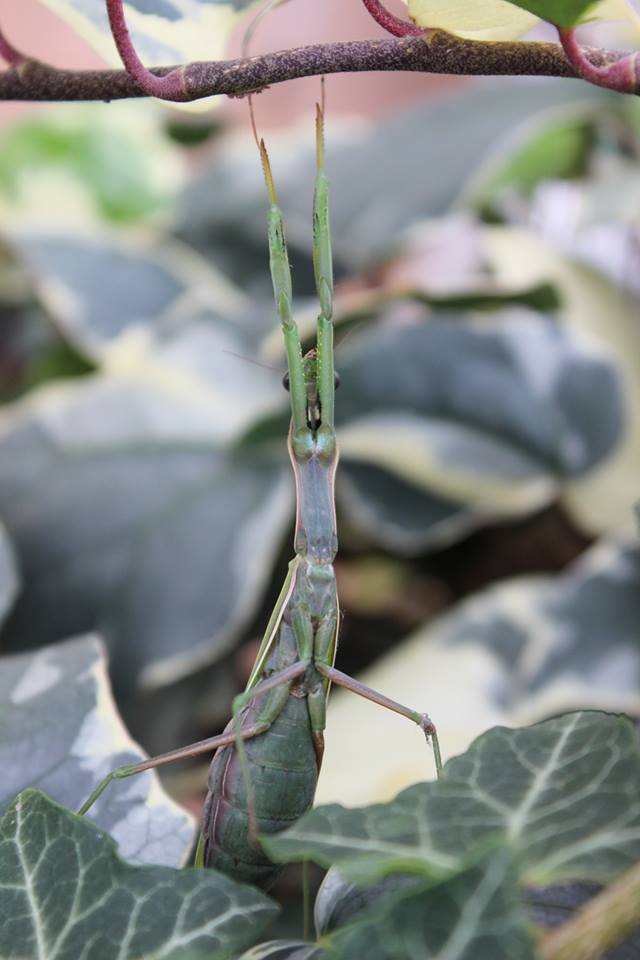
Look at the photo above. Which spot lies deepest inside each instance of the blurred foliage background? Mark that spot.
(487, 259)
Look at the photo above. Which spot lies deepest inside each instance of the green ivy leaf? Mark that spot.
(562, 13)
(339, 901)
(476, 915)
(564, 794)
(64, 891)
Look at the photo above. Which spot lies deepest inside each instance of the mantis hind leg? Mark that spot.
(421, 720)
(201, 746)
(184, 753)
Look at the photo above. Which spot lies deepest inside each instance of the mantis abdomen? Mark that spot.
(265, 783)
(283, 772)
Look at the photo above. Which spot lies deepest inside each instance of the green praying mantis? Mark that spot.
(264, 773)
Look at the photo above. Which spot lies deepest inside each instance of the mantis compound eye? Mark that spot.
(336, 380)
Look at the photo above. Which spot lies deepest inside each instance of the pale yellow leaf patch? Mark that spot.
(419, 451)
(498, 19)
(616, 10)
(475, 19)
(201, 34)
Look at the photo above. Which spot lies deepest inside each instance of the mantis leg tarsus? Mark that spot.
(421, 720)
(435, 743)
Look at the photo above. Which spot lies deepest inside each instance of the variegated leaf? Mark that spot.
(61, 732)
(163, 31)
(521, 651)
(128, 512)
(601, 500)
(509, 19)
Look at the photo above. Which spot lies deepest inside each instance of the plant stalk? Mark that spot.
(438, 52)
(602, 923)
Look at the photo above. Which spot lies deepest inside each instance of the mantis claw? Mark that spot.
(427, 725)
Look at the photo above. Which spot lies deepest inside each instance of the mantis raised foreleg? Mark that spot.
(264, 774)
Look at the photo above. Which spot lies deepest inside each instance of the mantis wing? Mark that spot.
(274, 622)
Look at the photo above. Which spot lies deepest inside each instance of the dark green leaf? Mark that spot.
(190, 131)
(106, 908)
(61, 732)
(599, 500)
(563, 13)
(476, 915)
(339, 901)
(59, 362)
(8, 575)
(543, 297)
(563, 793)
(479, 381)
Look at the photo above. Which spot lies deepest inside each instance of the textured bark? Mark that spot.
(437, 52)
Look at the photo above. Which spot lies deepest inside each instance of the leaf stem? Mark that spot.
(601, 924)
(391, 23)
(171, 86)
(9, 53)
(621, 75)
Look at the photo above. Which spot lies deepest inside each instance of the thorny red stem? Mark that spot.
(170, 87)
(391, 23)
(621, 75)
